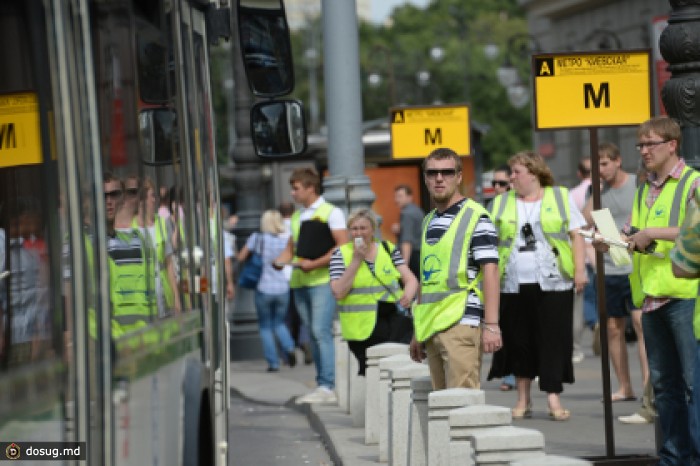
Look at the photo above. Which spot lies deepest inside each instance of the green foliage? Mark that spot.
(398, 51)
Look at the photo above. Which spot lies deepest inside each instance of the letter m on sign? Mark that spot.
(431, 138)
(8, 139)
(589, 94)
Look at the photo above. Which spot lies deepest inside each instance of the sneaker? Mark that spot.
(578, 356)
(308, 357)
(635, 418)
(322, 395)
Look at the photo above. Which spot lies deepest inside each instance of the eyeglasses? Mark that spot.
(529, 237)
(649, 144)
(132, 191)
(501, 183)
(445, 172)
(113, 194)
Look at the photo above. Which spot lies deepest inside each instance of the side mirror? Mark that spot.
(266, 47)
(158, 136)
(278, 128)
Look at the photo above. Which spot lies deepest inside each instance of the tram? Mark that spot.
(112, 324)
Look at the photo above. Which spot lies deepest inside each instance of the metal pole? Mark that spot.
(602, 312)
(341, 66)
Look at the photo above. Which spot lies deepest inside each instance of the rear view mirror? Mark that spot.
(278, 128)
(265, 45)
(158, 136)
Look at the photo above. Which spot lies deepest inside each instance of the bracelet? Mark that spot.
(489, 323)
(495, 332)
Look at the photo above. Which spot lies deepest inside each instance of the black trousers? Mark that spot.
(390, 327)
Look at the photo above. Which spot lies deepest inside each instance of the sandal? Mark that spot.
(521, 413)
(560, 414)
(506, 387)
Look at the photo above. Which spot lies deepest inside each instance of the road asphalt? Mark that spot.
(583, 435)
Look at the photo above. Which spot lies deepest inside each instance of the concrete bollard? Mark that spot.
(386, 365)
(342, 368)
(463, 420)
(501, 445)
(357, 394)
(551, 460)
(417, 451)
(440, 403)
(374, 354)
(400, 409)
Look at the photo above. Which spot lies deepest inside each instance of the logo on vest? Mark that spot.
(659, 211)
(431, 266)
(387, 270)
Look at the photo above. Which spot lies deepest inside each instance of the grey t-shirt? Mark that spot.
(411, 221)
(619, 201)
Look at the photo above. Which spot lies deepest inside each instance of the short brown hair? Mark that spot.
(307, 177)
(444, 153)
(609, 150)
(535, 164)
(666, 127)
(405, 188)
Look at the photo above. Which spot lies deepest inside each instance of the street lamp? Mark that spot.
(375, 79)
(508, 75)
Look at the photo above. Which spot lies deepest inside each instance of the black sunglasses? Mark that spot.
(445, 172)
(113, 194)
(501, 183)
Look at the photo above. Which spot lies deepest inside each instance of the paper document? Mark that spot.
(606, 226)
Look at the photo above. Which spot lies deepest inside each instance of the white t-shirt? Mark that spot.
(538, 266)
(336, 219)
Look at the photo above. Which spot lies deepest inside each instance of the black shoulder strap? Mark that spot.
(386, 247)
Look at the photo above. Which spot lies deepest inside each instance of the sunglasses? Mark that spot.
(445, 172)
(501, 183)
(113, 194)
(529, 237)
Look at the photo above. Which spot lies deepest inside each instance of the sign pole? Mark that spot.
(600, 301)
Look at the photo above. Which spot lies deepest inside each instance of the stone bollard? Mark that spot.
(463, 420)
(440, 403)
(342, 368)
(357, 394)
(417, 451)
(386, 365)
(401, 408)
(501, 445)
(551, 460)
(374, 354)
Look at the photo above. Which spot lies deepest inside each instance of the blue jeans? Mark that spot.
(671, 348)
(316, 307)
(590, 305)
(272, 309)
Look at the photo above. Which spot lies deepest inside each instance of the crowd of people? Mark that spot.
(514, 278)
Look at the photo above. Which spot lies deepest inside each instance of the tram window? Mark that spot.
(265, 44)
(158, 136)
(278, 128)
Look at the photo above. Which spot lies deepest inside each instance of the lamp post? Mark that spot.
(509, 76)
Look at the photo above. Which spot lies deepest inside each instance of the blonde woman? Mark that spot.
(542, 262)
(272, 292)
(365, 276)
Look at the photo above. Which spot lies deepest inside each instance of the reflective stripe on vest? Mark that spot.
(444, 289)
(357, 311)
(652, 276)
(317, 276)
(555, 224)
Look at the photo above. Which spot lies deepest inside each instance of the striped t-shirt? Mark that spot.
(483, 249)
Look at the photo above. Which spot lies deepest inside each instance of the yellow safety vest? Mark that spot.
(652, 276)
(317, 276)
(358, 309)
(554, 218)
(443, 274)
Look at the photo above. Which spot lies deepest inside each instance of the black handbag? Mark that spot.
(252, 267)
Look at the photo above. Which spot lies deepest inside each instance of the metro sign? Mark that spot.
(417, 131)
(592, 89)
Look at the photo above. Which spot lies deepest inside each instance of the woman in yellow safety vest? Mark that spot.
(365, 275)
(541, 259)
